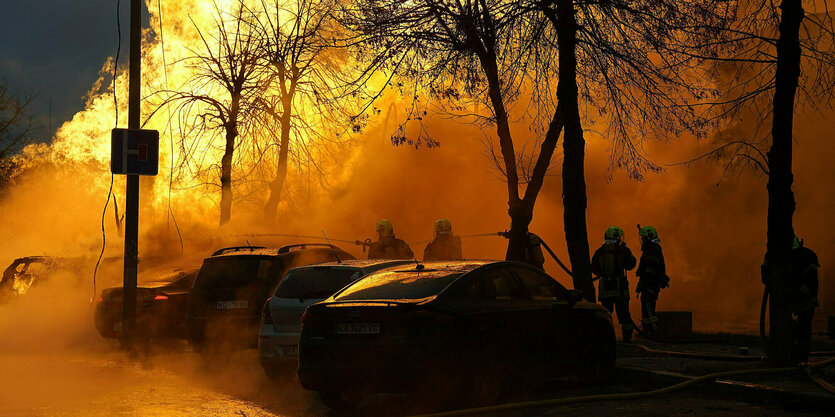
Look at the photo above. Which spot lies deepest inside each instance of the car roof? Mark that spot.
(462, 266)
(237, 251)
(359, 263)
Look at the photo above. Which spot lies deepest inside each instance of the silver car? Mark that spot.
(301, 287)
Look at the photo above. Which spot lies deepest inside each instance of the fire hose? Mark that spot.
(624, 396)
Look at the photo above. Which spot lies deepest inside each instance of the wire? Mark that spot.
(116, 107)
(171, 141)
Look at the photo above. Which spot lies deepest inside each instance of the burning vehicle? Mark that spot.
(24, 273)
(161, 306)
(303, 286)
(451, 324)
(225, 302)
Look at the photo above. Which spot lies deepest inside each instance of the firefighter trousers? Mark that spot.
(649, 320)
(621, 305)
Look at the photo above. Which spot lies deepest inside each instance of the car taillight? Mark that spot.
(266, 317)
(160, 297)
(306, 317)
(101, 299)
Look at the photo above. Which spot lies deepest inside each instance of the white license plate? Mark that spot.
(226, 305)
(357, 328)
(290, 350)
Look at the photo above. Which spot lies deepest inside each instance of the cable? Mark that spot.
(116, 107)
(621, 396)
(171, 141)
(695, 355)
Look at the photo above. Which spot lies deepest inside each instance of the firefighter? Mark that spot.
(804, 297)
(610, 263)
(445, 246)
(387, 246)
(652, 277)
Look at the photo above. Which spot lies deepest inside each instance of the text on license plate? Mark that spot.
(357, 328)
(225, 305)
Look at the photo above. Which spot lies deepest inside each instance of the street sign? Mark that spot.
(134, 152)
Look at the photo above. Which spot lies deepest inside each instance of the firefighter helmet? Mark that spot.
(613, 233)
(443, 227)
(385, 227)
(648, 232)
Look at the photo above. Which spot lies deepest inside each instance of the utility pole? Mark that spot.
(132, 189)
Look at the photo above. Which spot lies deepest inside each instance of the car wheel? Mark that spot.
(340, 401)
(599, 356)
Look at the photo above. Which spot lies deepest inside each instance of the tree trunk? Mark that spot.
(226, 175)
(281, 170)
(573, 171)
(520, 212)
(781, 202)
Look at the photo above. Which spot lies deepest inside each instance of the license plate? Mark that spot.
(357, 328)
(290, 350)
(226, 305)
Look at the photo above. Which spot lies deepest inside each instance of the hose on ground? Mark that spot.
(694, 355)
(620, 396)
(816, 379)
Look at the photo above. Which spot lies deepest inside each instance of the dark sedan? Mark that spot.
(482, 324)
(161, 306)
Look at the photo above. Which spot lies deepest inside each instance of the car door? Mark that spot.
(489, 307)
(547, 322)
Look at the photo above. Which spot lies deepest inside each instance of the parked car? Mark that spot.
(160, 306)
(24, 273)
(224, 305)
(453, 324)
(301, 287)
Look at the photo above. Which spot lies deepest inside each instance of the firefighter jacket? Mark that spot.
(443, 248)
(390, 248)
(610, 263)
(651, 272)
(804, 279)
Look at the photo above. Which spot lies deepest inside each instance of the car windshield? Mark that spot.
(315, 282)
(230, 272)
(399, 285)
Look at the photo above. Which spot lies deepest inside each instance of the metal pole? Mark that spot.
(132, 190)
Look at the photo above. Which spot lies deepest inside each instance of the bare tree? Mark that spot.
(220, 97)
(16, 125)
(779, 58)
(302, 72)
(612, 54)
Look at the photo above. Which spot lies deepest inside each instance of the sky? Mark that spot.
(55, 49)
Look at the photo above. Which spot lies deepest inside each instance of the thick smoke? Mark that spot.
(713, 235)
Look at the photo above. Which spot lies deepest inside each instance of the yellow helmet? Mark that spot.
(385, 226)
(613, 233)
(443, 227)
(648, 232)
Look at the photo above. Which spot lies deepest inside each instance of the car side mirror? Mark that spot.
(574, 296)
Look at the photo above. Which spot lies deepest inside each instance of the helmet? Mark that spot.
(648, 232)
(796, 242)
(443, 226)
(385, 227)
(613, 233)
